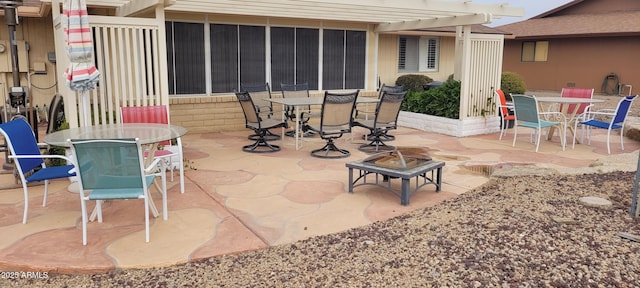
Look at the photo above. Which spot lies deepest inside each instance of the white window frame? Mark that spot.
(427, 49)
(429, 55)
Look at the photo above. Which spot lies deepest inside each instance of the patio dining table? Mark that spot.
(307, 101)
(570, 115)
(147, 134)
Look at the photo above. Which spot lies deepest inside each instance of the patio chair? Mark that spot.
(258, 124)
(259, 94)
(158, 114)
(298, 91)
(575, 111)
(113, 169)
(55, 114)
(606, 119)
(505, 110)
(336, 118)
(365, 113)
(385, 119)
(29, 162)
(527, 115)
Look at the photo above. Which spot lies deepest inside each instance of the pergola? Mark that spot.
(390, 15)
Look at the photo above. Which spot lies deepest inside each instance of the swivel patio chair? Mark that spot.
(113, 169)
(366, 113)
(258, 124)
(29, 162)
(336, 119)
(158, 114)
(298, 91)
(505, 110)
(55, 115)
(259, 94)
(527, 115)
(606, 119)
(385, 119)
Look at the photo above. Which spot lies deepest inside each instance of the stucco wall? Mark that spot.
(579, 62)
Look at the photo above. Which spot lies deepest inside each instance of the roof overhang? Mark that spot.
(388, 15)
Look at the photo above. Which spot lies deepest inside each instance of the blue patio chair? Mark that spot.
(113, 169)
(526, 112)
(29, 162)
(614, 121)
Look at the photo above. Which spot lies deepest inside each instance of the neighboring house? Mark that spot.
(584, 43)
(208, 49)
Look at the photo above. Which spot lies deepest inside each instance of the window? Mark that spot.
(418, 54)
(344, 59)
(294, 56)
(535, 51)
(185, 53)
(238, 56)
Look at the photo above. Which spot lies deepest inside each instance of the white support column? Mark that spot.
(162, 56)
(465, 75)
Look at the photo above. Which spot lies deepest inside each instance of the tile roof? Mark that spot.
(583, 25)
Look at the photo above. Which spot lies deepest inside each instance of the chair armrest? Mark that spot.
(40, 156)
(154, 165)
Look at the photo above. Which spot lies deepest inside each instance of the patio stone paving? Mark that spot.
(236, 201)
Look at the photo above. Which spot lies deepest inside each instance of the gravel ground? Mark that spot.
(515, 231)
(523, 231)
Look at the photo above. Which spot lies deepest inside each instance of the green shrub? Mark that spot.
(512, 83)
(57, 150)
(442, 101)
(413, 82)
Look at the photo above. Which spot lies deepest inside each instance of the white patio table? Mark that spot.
(570, 115)
(147, 134)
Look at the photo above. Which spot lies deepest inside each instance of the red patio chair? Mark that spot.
(504, 108)
(157, 114)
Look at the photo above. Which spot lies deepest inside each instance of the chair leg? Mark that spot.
(330, 150)
(261, 146)
(269, 136)
(26, 203)
(376, 145)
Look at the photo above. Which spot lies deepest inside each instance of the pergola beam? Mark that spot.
(482, 18)
(140, 6)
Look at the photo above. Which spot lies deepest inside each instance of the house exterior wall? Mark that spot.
(37, 33)
(388, 59)
(579, 62)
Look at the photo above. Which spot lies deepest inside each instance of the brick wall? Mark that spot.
(216, 113)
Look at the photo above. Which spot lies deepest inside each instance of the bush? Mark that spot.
(512, 83)
(413, 82)
(442, 101)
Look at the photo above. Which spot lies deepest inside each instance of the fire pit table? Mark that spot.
(392, 165)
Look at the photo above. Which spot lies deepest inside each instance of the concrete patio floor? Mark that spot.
(237, 201)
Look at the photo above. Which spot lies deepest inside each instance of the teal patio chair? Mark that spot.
(113, 169)
(526, 112)
(29, 162)
(614, 121)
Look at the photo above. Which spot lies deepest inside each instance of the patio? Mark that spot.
(237, 201)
